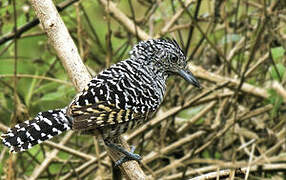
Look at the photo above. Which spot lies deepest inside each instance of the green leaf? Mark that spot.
(3, 100)
(64, 156)
(63, 93)
(206, 154)
(281, 70)
(276, 100)
(217, 155)
(277, 53)
(31, 90)
(190, 112)
(45, 88)
(52, 96)
(35, 152)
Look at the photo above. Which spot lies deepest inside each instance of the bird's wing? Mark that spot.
(113, 97)
(101, 115)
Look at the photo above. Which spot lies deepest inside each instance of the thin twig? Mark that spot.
(33, 23)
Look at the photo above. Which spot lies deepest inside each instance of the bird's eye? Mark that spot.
(174, 58)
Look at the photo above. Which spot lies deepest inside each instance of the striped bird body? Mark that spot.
(119, 98)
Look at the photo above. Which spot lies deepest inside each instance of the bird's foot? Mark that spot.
(128, 156)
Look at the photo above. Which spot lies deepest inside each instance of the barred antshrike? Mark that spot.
(117, 99)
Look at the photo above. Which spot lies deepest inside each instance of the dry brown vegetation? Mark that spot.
(234, 127)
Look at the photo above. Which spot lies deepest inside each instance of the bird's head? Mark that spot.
(166, 55)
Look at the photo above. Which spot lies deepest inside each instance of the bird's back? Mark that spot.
(117, 99)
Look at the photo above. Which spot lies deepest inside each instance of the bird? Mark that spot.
(118, 99)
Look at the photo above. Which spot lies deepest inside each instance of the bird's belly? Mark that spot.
(113, 131)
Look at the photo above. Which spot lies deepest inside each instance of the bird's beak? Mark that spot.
(188, 76)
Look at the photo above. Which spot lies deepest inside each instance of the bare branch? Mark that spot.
(67, 51)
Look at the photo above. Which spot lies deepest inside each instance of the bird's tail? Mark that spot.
(43, 127)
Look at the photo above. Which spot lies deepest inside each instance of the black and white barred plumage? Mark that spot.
(117, 99)
(43, 127)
